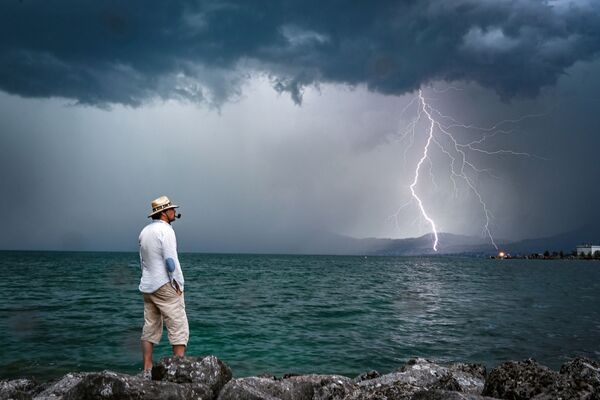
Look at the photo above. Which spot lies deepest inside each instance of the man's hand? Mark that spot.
(177, 289)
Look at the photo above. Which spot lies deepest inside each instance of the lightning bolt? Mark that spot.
(416, 180)
(461, 167)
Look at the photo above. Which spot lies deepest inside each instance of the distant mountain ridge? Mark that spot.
(566, 241)
(328, 243)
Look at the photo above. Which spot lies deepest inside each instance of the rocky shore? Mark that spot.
(210, 378)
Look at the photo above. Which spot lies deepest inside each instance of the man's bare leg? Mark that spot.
(179, 350)
(147, 348)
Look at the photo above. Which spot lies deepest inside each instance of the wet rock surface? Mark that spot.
(16, 389)
(56, 390)
(584, 374)
(207, 375)
(530, 380)
(436, 394)
(111, 385)
(419, 379)
(297, 387)
(366, 376)
(418, 374)
(254, 388)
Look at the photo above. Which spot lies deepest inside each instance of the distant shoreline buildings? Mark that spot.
(587, 249)
(583, 251)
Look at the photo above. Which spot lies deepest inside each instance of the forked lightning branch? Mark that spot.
(438, 135)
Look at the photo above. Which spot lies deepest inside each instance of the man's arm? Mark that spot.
(170, 257)
(170, 265)
(170, 251)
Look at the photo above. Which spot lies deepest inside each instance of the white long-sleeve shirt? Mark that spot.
(157, 244)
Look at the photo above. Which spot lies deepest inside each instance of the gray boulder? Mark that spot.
(584, 374)
(470, 377)
(420, 373)
(529, 380)
(18, 389)
(325, 387)
(437, 394)
(57, 389)
(174, 377)
(299, 387)
(108, 385)
(396, 390)
(208, 374)
(254, 388)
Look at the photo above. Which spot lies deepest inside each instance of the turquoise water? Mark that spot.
(64, 312)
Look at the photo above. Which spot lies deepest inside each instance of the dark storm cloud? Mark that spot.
(130, 52)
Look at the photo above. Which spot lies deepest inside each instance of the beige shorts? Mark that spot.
(165, 304)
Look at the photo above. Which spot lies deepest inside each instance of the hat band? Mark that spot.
(158, 208)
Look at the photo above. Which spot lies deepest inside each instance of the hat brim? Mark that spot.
(163, 209)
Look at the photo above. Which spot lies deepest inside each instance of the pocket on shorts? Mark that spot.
(166, 292)
(174, 291)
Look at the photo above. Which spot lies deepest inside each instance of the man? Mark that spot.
(162, 283)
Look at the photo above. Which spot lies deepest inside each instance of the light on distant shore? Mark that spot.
(501, 254)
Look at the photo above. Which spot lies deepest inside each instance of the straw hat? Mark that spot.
(161, 204)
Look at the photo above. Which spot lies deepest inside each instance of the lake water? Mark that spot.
(64, 312)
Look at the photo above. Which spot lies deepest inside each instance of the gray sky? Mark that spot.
(270, 125)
